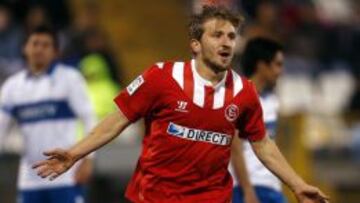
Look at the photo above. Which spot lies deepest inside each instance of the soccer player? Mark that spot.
(262, 62)
(46, 100)
(191, 111)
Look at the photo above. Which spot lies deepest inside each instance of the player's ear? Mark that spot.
(195, 46)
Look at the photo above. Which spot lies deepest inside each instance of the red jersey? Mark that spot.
(189, 125)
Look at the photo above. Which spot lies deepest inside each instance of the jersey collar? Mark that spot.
(202, 81)
(49, 71)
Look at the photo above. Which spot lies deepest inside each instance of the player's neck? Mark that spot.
(260, 84)
(37, 69)
(208, 73)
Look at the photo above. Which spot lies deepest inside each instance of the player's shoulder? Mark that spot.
(169, 64)
(66, 69)
(159, 69)
(242, 83)
(248, 94)
(164, 65)
(248, 84)
(66, 72)
(13, 80)
(159, 65)
(171, 68)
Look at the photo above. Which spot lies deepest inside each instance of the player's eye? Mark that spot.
(232, 36)
(217, 34)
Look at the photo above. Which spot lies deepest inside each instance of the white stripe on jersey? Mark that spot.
(199, 83)
(219, 97)
(160, 65)
(237, 83)
(199, 92)
(178, 73)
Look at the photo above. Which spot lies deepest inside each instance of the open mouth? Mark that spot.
(224, 54)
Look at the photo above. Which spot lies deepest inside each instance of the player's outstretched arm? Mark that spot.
(267, 151)
(239, 165)
(60, 160)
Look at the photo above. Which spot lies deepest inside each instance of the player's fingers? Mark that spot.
(324, 199)
(55, 152)
(322, 196)
(45, 173)
(53, 176)
(39, 164)
(43, 169)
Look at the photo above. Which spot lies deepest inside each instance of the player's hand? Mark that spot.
(57, 163)
(310, 194)
(84, 171)
(250, 197)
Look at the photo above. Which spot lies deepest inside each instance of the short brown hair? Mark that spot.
(196, 29)
(44, 29)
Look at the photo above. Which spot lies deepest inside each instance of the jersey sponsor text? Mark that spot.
(198, 135)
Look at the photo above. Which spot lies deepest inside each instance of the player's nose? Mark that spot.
(226, 42)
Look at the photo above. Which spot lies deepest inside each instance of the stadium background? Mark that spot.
(112, 41)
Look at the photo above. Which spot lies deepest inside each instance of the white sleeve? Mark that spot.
(5, 114)
(80, 102)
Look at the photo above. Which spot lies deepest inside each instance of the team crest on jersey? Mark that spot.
(134, 85)
(231, 112)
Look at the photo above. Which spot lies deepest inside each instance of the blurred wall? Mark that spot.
(139, 32)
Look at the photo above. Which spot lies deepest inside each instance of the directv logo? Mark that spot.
(198, 135)
(176, 130)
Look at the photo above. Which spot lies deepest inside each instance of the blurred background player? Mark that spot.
(262, 62)
(45, 101)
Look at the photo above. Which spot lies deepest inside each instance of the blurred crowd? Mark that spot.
(319, 36)
(83, 43)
